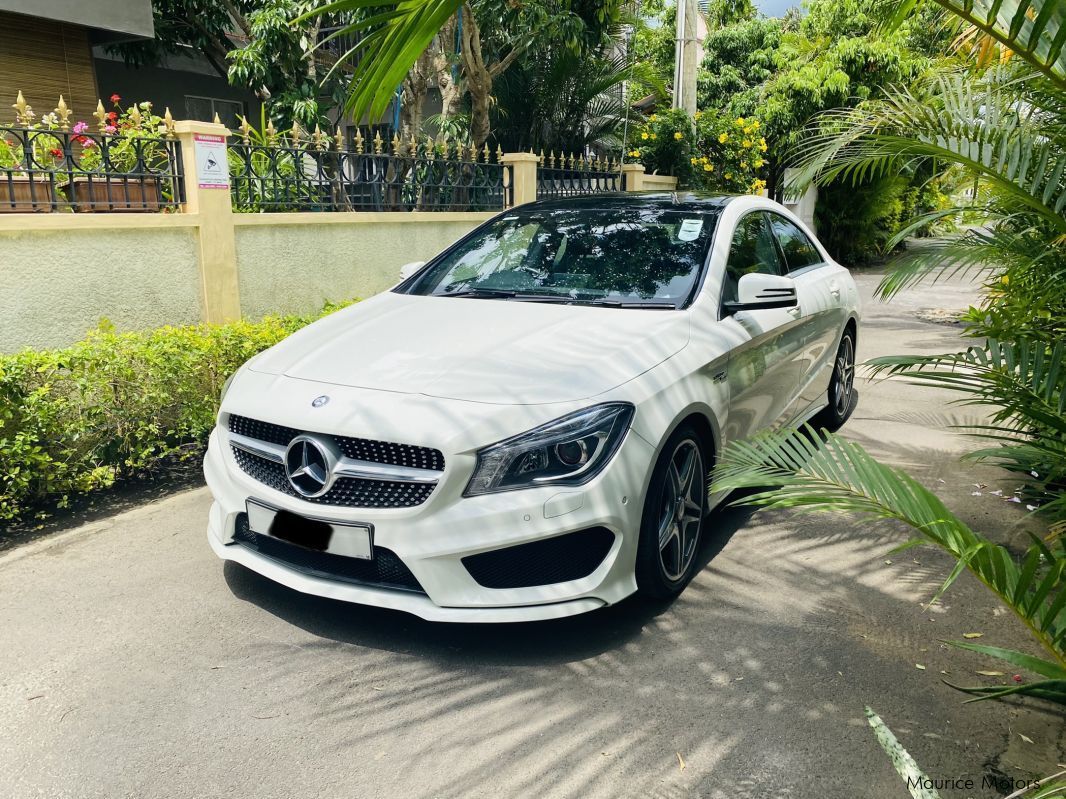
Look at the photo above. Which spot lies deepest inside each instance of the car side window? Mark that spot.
(752, 250)
(798, 250)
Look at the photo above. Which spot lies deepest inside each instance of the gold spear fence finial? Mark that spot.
(472, 152)
(168, 123)
(63, 114)
(135, 115)
(499, 154)
(271, 132)
(23, 110)
(378, 142)
(246, 130)
(338, 139)
(217, 120)
(542, 157)
(431, 148)
(101, 115)
(359, 144)
(485, 153)
(294, 133)
(396, 144)
(320, 139)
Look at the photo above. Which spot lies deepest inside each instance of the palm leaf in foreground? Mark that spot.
(902, 761)
(921, 786)
(396, 34)
(1023, 383)
(1034, 30)
(805, 470)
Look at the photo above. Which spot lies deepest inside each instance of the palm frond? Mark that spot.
(902, 762)
(394, 38)
(800, 469)
(980, 126)
(1034, 30)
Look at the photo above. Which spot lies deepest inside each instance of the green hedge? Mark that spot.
(75, 419)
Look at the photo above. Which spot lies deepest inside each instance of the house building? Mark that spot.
(61, 47)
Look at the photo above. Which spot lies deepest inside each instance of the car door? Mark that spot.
(818, 288)
(763, 368)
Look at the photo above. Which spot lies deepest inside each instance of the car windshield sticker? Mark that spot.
(690, 229)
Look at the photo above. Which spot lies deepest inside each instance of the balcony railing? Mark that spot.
(576, 175)
(54, 164)
(296, 172)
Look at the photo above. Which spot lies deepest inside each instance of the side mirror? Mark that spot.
(409, 269)
(758, 291)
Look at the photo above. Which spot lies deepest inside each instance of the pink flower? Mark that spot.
(115, 99)
(80, 127)
(110, 129)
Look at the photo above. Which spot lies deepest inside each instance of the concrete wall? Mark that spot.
(60, 274)
(293, 263)
(58, 281)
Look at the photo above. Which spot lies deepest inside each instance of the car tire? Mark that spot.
(674, 512)
(841, 395)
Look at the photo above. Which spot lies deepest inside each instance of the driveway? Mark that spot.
(134, 664)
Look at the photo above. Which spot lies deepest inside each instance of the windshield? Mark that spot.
(629, 257)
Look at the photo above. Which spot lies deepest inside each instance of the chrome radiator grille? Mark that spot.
(380, 474)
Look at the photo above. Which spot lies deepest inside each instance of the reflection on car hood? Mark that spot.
(494, 351)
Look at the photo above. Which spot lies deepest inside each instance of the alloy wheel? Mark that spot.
(844, 376)
(681, 509)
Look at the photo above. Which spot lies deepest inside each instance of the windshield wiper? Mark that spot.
(482, 293)
(660, 306)
(508, 294)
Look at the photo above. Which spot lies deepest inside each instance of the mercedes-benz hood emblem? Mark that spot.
(309, 466)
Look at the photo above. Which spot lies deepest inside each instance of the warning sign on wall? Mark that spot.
(212, 169)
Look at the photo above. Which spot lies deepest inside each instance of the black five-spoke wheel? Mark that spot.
(673, 516)
(842, 396)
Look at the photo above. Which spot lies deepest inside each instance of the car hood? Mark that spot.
(480, 350)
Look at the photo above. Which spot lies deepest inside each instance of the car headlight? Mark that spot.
(569, 451)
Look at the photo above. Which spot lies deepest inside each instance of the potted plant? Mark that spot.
(123, 170)
(27, 180)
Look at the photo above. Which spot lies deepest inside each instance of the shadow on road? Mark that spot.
(529, 643)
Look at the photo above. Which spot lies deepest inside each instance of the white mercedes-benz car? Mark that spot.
(523, 427)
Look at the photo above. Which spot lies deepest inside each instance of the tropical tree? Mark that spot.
(561, 99)
(493, 35)
(271, 54)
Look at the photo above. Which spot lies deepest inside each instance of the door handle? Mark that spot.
(794, 310)
(834, 289)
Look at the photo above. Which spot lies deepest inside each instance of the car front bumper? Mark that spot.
(433, 538)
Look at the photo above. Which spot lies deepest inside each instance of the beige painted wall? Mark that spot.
(293, 263)
(57, 282)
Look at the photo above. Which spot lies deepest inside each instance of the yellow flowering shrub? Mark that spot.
(707, 151)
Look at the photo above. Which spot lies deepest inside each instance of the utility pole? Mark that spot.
(685, 52)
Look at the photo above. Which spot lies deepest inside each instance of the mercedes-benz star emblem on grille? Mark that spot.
(308, 465)
(318, 402)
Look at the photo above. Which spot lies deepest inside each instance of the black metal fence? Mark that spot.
(285, 175)
(48, 169)
(575, 176)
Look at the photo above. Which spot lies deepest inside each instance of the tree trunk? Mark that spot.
(478, 79)
(415, 89)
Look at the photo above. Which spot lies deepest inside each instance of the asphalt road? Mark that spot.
(134, 664)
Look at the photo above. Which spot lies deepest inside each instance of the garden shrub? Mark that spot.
(74, 419)
(710, 151)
